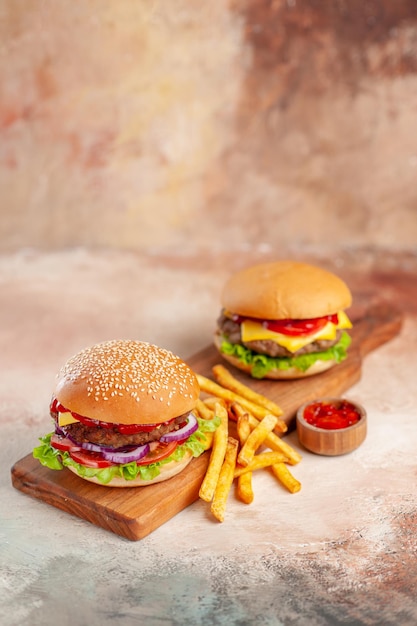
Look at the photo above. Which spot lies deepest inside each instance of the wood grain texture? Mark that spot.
(131, 513)
(136, 512)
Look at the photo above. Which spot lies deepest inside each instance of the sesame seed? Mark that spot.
(118, 368)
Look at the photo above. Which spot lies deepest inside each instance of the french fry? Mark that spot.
(203, 410)
(217, 455)
(224, 483)
(256, 418)
(211, 402)
(226, 379)
(277, 444)
(208, 442)
(272, 440)
(236, 411)
(243, 428)
(205, 413)
(264, 459)
(281, 471)
(256, 438)
(214, 389)
(244, 490)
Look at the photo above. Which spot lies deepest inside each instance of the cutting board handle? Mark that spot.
(379, 324)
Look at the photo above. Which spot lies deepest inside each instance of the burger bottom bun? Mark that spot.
(277, 374)
(166, 472)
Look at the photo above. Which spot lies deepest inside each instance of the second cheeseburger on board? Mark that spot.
(123, 416)
(284, 319)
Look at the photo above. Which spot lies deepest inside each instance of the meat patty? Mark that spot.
(271, 348)
(231, 330)
(112, 438)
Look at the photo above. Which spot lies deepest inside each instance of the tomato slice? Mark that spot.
(89, 459)
(293, 328)
(124, 429)
(63, 443)
(159, 450)
(297, 328)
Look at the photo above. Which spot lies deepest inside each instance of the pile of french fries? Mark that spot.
(255, 445)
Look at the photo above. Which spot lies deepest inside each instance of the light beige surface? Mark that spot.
(148, 150)
(349, 532)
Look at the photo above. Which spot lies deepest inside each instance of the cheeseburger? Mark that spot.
(123, 415)
(283, 319)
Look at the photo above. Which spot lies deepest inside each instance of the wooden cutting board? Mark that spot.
(133, 513)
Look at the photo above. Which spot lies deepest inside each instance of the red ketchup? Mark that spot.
(330, 415)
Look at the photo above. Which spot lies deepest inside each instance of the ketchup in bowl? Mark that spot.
(331, 426)
(331, 415)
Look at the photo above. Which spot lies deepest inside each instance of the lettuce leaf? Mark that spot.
(46, 454)
(57, 459)
(262, 364)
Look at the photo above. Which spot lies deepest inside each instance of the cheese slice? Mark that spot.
(66, 418)
(343, 321)
(255, 331)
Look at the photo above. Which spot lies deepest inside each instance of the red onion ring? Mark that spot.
(182, 433)
(94, 447)
(127, 457)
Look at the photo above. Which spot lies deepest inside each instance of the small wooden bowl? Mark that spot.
(331, 442)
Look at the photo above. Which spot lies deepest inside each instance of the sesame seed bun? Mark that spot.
(285, 290)
(127, 382)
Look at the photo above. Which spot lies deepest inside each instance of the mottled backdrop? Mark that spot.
(171, 125)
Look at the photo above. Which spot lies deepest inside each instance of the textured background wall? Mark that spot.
(181, 125)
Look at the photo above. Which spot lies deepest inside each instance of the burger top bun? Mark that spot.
(285, 290)
(127, 382)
